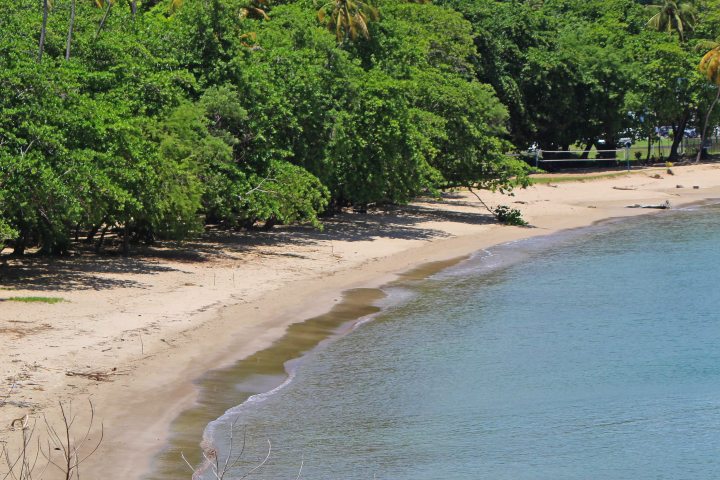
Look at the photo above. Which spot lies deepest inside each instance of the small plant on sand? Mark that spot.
(62, 450)
(36, 299)
(509, 216)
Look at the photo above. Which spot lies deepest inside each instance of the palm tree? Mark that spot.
(710, 67)
(348, 19)
(255, 9)
(673, 16)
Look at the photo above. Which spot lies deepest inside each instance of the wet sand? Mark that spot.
(164, 322)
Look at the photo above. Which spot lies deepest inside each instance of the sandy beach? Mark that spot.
(134, 334)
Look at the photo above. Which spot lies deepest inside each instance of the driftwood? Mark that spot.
(98, 376)
(662, 206)
(625, 188)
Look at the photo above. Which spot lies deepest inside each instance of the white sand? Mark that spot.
(162, 319)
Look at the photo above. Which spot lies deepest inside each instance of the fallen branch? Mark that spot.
(660, 206)
(98, 376)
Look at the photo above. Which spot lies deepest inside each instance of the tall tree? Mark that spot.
(674, 16)
(68, 42)
(710, 67)
(108, 4)
(43, 29)
(348, 19)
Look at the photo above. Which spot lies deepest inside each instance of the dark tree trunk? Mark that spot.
(94, 229)
(101, 240)
(43, 30)
(270, 223)
(19, 247)
(133, 9)
(93, 232)
(678, 134)
(21, 242)
(126, 241)
(707, 120)
(68, 42)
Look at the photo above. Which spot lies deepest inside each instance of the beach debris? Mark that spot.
(696, 187)
(656, 176)
(22, 422)
(679, 186)
(98, 376)
(592, 206)
(552, 185)
(662, 206)
(670, 172)
(4, 399)
(625, 188)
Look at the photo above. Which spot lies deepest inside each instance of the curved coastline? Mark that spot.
(139, 408)
(234, 387)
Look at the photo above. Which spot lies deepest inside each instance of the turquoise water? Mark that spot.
(588, 355)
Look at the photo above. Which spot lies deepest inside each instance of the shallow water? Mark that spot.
(590, 355)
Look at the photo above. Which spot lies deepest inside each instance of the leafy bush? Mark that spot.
(509, 216)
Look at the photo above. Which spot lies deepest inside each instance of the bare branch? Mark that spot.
(302, 462)
(4, 399)
(260, 464)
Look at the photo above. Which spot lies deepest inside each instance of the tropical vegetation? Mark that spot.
(153, 119)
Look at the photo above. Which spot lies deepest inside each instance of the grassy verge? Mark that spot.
(576, 178)
(36, 299)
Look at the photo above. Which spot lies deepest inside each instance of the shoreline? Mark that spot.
(136, 407)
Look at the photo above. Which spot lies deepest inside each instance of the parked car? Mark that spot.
(663, 131)
(625, 142)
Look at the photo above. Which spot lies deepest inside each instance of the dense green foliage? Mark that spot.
(152, 119)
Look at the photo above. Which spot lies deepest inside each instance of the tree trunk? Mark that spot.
(133, 9)
(21, 242)
(99, 244)
(68, 42)
(19, 247)
(102, 20)
(43, 30)
(678, 134)
(126, 241)
(707, 120)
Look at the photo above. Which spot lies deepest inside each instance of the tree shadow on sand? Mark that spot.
(405, 223)
(82, 272)
(87, 271)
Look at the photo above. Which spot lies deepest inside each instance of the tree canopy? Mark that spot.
(153, 119)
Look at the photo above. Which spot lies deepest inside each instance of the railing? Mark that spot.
(624, 156)
(607, 156)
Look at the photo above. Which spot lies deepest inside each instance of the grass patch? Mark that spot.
(36, 299)
(576, 178)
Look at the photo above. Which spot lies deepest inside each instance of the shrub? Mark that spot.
(509, 216)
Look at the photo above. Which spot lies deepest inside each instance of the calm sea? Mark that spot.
(590, 355)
